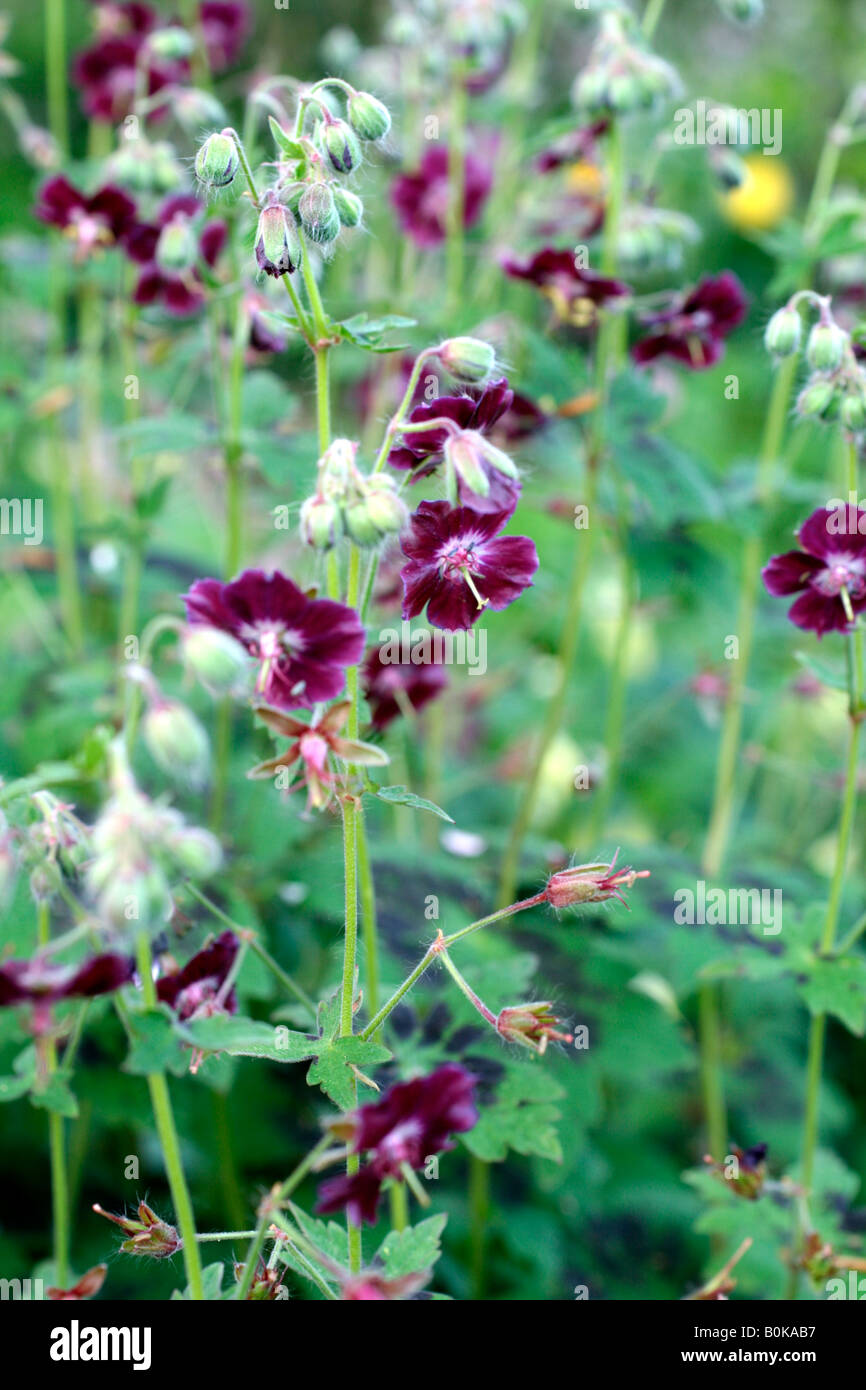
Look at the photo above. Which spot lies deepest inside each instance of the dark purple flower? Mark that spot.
(101, 219)
(574, 147)
(830, 566)
(575, 293)
(195, 988)
(40, 982)
(460, 565)
(303, 643)
(413, 1120)
(224, 25)
(422, 452)
(266, 335)
(180, 291)
(107, 71)
(694, 328)
(421, 198)
(388, 686)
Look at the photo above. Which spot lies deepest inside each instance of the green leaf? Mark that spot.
(838, 987)
(212, 1284)
(412, 1250)
(246, 1037)
(12, 1087)
(367, 333)
(56, 1096)
(827, 674)
(522, 1118)
(154, 1043)
(332, 1069)
(284, 141)
(401, 796)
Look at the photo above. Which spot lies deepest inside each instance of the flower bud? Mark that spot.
(853, 411)
(177, 742)
(196, 852)
(278, 246)
(462, 454)
(819, 398)
(349, 207)
(467, 359)
(170, 42)
(177, 248)
(216, 659)
(320, 523)
(387, 510)
(590, 883)
(341, 145)
(318, 213)
(360, 525)
(783, 333)
(217, 161)
(743, 11)
(825, 347)
(130, 896)
(368, 117)
(531, 1025)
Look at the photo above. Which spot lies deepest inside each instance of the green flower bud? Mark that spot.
(467, 359)
(626, 93)
(217, 161)
(135, 896)
(171, 42)
(819, 398)
(825, 347)
(177, 248)
(461, 454)
(590, 91)
(340, 143)
(853, 411)
(369, 117)
(320, 523)
(360, 525)
(278, 246)
(196, 852)
(783, 333)
(386, 509)
(318, 213)
(349, 207)
(217, 660)
(743, 11)
(177, 742)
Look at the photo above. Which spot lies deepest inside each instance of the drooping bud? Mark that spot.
(783, 333)
(278, 246)
(217, 161)
(349, 207)
(149, 1235)
(819, 398)
(320, 523)
(590, 883)
(826, 346)
(386, 508)
(340, 143)
(318, 213)
(177, 248)
(360, 525)
(196, 852)
(467, 359)
(531, 1025)
(368, 117)
(177, 742)
(216, 659)
(463, 456)
(853, 411)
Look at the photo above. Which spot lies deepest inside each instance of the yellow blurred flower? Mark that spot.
(585, 178)
(763, 198)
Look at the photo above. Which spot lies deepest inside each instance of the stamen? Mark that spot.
(482, 602)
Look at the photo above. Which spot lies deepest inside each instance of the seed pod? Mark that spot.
(368, 117)
(319, 217)
(217, 161)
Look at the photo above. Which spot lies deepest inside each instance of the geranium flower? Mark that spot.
(100, 219)
(423, 452)
(828, 571)
(112, 71)
(459, 564)
(179, 290)
(421, 198)
(413, 1120)
(694, 328)
(390, 686)
(42, 983)
(224, 25)
(195, 990)
(575, 293)
(311, 745)
(303, 643)
(266, 335)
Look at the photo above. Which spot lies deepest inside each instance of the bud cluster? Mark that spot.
(346, 503)
(137, 844)
(622, 74)
(836, 387)
(651, 239)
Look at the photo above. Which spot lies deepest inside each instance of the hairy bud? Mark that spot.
(318, 213)
(217, 161)
(369, 118)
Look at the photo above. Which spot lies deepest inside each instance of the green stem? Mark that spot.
(455, 217)
(55, 72)
(160, 1100)
(651, 16)
(479, 1215)
(369, 923)
(280, 1194)
(56, 1139)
